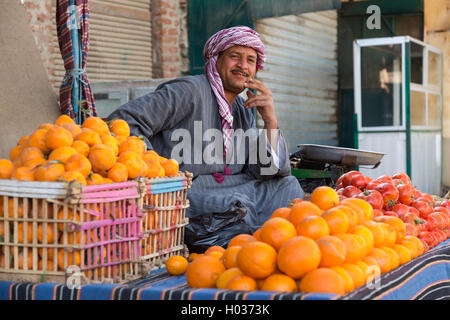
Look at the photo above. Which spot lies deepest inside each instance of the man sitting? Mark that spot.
(241, 174)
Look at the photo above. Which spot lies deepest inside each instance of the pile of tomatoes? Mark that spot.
(395, 195)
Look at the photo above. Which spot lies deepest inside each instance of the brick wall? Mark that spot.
(169, 36)
(42, 23)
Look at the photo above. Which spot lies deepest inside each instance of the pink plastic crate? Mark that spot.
(52, 231)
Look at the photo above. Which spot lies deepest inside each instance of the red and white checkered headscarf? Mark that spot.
(217, 43)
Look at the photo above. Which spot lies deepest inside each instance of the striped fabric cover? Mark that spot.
(65, 45)
(424, 278)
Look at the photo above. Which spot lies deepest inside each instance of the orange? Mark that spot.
(120, 139)
(277, 231)
(62, 153)
(23, 140)
(403, 252)
(94, 178)
(133, 161)
(358, 210)
(389, 235)
(70, 217)
(337, 221)
(301, 210)
(154, 168)
(226, 276)
(73, 258)
(170, 167)
(393, 257)
(362, 204)
(49, 171)
(46, 126)
(29, 156)
(203, 272)
(354, 246)
(279, 282)
(45, 230)
(119, 127)
(118, 172)
(348, 281)
(81, 147)
(229, 257)
(49, 267)
(18, 211)
(281, 213)
(215, 249)
(29, 264)
(313, 227)
(355, 272)
(96, 124)
(240, 240)
(365, 269)
(15, 152)
(365, 233)
(23, 174)
(73, 175)
(111, 142)
(324, 197)
(417, 242)
(383, 259)
(373, 269)
(79, 163)
(73, 128)
(242, 282)
(413, 251)
(377, 231)
(257, 259)
(133, 144)
(50, 253)
(351, 215)
(91, 138)
(257, 234)
(63, 119)
(58, 137)
(333, 251)
(102, 158)
(398, 225)
(176, 265)
(6, 168)
(297, 256)
(21, 233)
(74, 237)
(323, 280)
(37, 139)
(194, 256)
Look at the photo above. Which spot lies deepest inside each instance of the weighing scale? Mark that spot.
(317, 165)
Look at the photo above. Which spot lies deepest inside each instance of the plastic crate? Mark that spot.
(51, 231)
(165, 204)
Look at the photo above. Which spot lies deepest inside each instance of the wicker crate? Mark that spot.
(50, 231)
(165, 205)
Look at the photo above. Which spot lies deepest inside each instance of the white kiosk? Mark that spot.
(398, 107)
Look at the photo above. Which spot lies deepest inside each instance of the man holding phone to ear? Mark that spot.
(227, 197)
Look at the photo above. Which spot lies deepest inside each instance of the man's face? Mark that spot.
(236, 65)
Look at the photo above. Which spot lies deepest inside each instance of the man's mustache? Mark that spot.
(241, 71)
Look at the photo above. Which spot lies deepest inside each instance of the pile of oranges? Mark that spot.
(319, 245)
(92, 153)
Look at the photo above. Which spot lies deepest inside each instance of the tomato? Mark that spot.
(411, 229)
(373, 184)
(391, 213)
(429, 238)
(417, 194)
(397, 182)
(426, 247)
(359, 181)
(351, 191)
(402, 176)
(373, 197)
(347, 177)
(411, 217)
(438, 220)
(400, 209)
(446, 218)
(405, 193)
(377, 213)
(384, 178)
(389, 193)
(424, 208)
(414, 210)
(442, 235)
(442, 209)
(340, 191)
(428, 198)
(445, 204)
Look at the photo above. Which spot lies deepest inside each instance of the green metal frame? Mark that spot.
(407, 78)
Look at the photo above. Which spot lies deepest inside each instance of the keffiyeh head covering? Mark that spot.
(217, 43)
